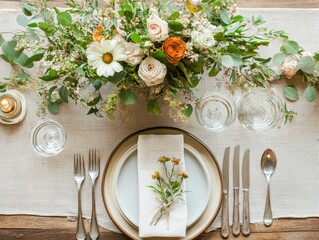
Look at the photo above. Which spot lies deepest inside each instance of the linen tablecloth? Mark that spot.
(30, 184)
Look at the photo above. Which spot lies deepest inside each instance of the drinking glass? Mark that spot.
(216, 111)
(48, 137)
(260, 109)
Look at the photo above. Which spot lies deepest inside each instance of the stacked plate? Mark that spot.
(120, 184)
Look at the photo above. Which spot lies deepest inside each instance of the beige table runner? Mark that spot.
(30, 184)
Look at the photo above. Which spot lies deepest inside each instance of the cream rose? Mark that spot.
(203, 40)
(289, 67)
(157, 28)
(152, 71)
(134, 53)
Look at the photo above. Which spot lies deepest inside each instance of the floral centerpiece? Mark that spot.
(105, 56)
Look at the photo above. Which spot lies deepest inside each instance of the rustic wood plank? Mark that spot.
(37, 227)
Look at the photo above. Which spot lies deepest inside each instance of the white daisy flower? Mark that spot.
(104, 56)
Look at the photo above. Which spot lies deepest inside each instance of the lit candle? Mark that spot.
(7, 104)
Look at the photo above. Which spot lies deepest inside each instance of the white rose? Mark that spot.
(289, 67)
(152, 71)
(134, 53)
(157, 28)
(203, 39)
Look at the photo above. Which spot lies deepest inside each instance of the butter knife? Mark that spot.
(236, 225)
(246, 182)
(225, 208)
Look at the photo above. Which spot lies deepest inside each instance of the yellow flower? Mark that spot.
(163, 159)
(192, 5)
(183, 174)
(156, 175)
(175, 160)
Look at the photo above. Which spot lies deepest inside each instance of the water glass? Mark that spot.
(216, 111)
(48, 138)
(260, 109)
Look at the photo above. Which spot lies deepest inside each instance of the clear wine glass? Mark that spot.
(48, 137)
(260, 109)
(216, 111)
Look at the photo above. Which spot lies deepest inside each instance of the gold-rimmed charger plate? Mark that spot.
(109, 191)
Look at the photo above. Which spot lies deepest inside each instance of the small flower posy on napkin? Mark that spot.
(150, 147)
(169, 188)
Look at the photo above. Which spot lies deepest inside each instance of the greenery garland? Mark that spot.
(104, 56)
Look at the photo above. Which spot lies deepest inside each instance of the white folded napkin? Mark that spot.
(150, 148)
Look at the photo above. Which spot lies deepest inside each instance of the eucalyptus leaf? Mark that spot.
(188, 110)
(227, 61)
(291, 93)
(64, 18)
(97, 84)
(310, 93)
(9, 51)
(64, 93)
(306, 64)
(291, 47)
(278, 59)
(127, 97)
(22, 20)
(154, 108)
(2, 40)
(53, 107)
(224, 16)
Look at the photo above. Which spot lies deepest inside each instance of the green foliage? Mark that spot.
(291, 93)
(310, 93)
(127, 97)
(64, 18)
(153, 107)
(175, 26)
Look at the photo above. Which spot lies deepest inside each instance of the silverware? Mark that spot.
(246, 182)
(225, 209)
(268, 166)
(79, 176)
(94, 172)
(236, 225)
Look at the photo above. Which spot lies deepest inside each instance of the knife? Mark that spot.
(236, 225)
(246, 180)
(225, 209)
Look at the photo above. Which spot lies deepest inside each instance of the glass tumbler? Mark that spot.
(260, 109)
(216, 111)
(48, 138)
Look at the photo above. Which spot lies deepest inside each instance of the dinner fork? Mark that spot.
(79, 176)
(94, 172)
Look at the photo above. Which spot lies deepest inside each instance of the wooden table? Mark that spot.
(59, 228)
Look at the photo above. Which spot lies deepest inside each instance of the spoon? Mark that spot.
(268, 166)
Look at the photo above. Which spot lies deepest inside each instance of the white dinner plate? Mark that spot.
(126, 185)
(123, 161)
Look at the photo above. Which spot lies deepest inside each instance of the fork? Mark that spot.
(79, 176)
(94, 172)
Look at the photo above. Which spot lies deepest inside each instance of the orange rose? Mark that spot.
(97, 35)
(174, 49)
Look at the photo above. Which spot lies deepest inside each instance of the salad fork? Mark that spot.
(94, 172)
(79, 176)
